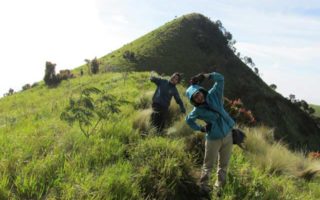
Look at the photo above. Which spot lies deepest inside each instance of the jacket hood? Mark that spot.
(192, 89)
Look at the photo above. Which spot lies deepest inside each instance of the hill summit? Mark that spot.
(192, 44)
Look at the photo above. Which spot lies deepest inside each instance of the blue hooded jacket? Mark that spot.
(212, 111)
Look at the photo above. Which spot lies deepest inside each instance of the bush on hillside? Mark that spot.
(163, 169)
(305, 107)
(239, 113)
(10, 92)
(34, 84)
(95, 66)
(129, 56)
(89, 110)
(50, 77)
(26, 87)
(65, 74)
(247, 60)
(273, 86)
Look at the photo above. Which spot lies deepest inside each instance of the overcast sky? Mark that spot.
(282, 37)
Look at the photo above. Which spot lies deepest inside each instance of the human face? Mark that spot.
(198, 97)
(174, 80)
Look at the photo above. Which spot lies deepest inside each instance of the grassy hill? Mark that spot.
(193, 44)
(317, 109)
(42, 157)
(45, 157)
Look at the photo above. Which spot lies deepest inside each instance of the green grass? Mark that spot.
(43, 157)
(317, 109)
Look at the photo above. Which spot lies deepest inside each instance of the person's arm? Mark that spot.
(155, 80)
(191, 120)
(179, 101)
(218, 86)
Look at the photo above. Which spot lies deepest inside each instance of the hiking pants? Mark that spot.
(216, 149)
(158, 117)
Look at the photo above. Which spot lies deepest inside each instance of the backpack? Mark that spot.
(238, 137)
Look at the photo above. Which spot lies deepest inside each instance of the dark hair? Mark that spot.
(176, 74)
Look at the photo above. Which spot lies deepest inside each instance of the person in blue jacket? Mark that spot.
(166, 89)
(208, 107)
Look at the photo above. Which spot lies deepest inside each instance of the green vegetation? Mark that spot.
(93, 66)
(317, 110)
(42, 157)
(88, 111)
(193, 43)
(112, 152)
(50, 77)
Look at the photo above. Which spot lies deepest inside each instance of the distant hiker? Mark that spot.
(208, 106)
(166, 89)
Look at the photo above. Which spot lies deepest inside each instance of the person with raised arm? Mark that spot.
(208, 107)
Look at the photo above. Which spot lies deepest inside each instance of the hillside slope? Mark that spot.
(42, 157)
(192, 44)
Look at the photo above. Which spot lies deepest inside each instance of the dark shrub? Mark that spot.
(26, 86)
(50, 77)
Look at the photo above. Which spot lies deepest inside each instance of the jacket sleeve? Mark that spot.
(179, 101)
(218, 86)
(191, 120)
(155, 80)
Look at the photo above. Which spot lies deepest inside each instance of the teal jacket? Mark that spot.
(212, 111)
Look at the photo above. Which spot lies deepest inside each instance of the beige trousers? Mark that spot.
(216, 150)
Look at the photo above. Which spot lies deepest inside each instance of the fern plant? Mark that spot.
(90, 109)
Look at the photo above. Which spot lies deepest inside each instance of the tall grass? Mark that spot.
(274, 156)
(142, 122)
(116, 183)
(164, 169)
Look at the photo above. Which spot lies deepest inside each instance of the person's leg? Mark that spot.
(162, 120)
(223, 160)
(156, 117)
(210, 157)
